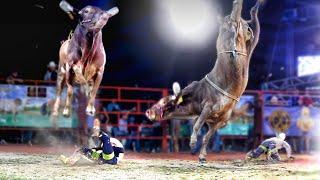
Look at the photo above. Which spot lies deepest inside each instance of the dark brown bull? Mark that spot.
(82, 57)
(212, 99)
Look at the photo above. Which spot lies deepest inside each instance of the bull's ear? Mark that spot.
(113, 11)
(176, 88)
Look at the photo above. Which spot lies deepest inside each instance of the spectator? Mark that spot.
(184, 134)
(216, 142)
(157, 132)
(305, 123)
(132, 142)
(122, 128)
(13, 78)
(306, 100)
(51, 74)
(2, 141)
(274, 100)
(295, 98)
(146, 131)
(103, 117)
(26, 137)
(113, 106)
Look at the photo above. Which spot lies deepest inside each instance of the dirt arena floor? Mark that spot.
(23, 162)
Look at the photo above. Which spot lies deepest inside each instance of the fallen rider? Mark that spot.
(271, 147)
(108, 150)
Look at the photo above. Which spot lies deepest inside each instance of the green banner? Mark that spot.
(30, 106)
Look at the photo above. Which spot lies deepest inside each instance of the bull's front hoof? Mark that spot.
(202, 160)
(66, 113)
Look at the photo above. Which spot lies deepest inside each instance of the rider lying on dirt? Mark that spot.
(271, 147)
(107, 151)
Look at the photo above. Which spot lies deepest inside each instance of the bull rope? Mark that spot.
(221, 90)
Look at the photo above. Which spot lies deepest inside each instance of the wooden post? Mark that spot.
(164, 125)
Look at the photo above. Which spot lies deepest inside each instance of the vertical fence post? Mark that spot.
(138, 107)
(119, 93)
(118, 98)
(164, 145)
(261, 96)
(258, 119)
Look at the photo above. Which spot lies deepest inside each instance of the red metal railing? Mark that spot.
(118, 97)
(139, 102)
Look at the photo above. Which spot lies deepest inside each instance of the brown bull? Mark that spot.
(82, 57)
(212, 99)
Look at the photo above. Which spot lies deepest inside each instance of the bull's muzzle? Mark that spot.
(154, 114)
(150, 114)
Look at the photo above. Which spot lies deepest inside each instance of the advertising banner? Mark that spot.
(30, 106)
(294, 121)
(241, 121)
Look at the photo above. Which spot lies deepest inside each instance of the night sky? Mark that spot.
(31, 32)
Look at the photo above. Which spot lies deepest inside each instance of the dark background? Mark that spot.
(31, 31)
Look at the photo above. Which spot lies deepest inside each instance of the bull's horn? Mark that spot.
(176, 88)
(236, 10)
(113, 11)
(65, 6)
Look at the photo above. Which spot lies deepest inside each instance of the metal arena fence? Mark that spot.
(254, 118)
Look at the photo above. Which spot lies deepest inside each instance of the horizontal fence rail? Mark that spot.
(142, 98)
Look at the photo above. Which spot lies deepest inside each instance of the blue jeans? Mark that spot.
(130, 142)
(26, 136)
(216, 142)
(203, 131)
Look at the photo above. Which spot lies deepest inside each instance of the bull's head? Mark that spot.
(165, 106)
(94, 19)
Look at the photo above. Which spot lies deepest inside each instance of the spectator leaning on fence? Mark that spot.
(133, 142)
(13, 78)
(113, 106)
(103, 116)
(122, 129)
(51, 74)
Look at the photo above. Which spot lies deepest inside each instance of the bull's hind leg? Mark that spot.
(59, 88)
(199, 123)
(67, 109)
(205, 141)
(212, 129)
(90, 110)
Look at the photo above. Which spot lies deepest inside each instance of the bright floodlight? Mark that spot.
(308, 65)
(186, 22)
